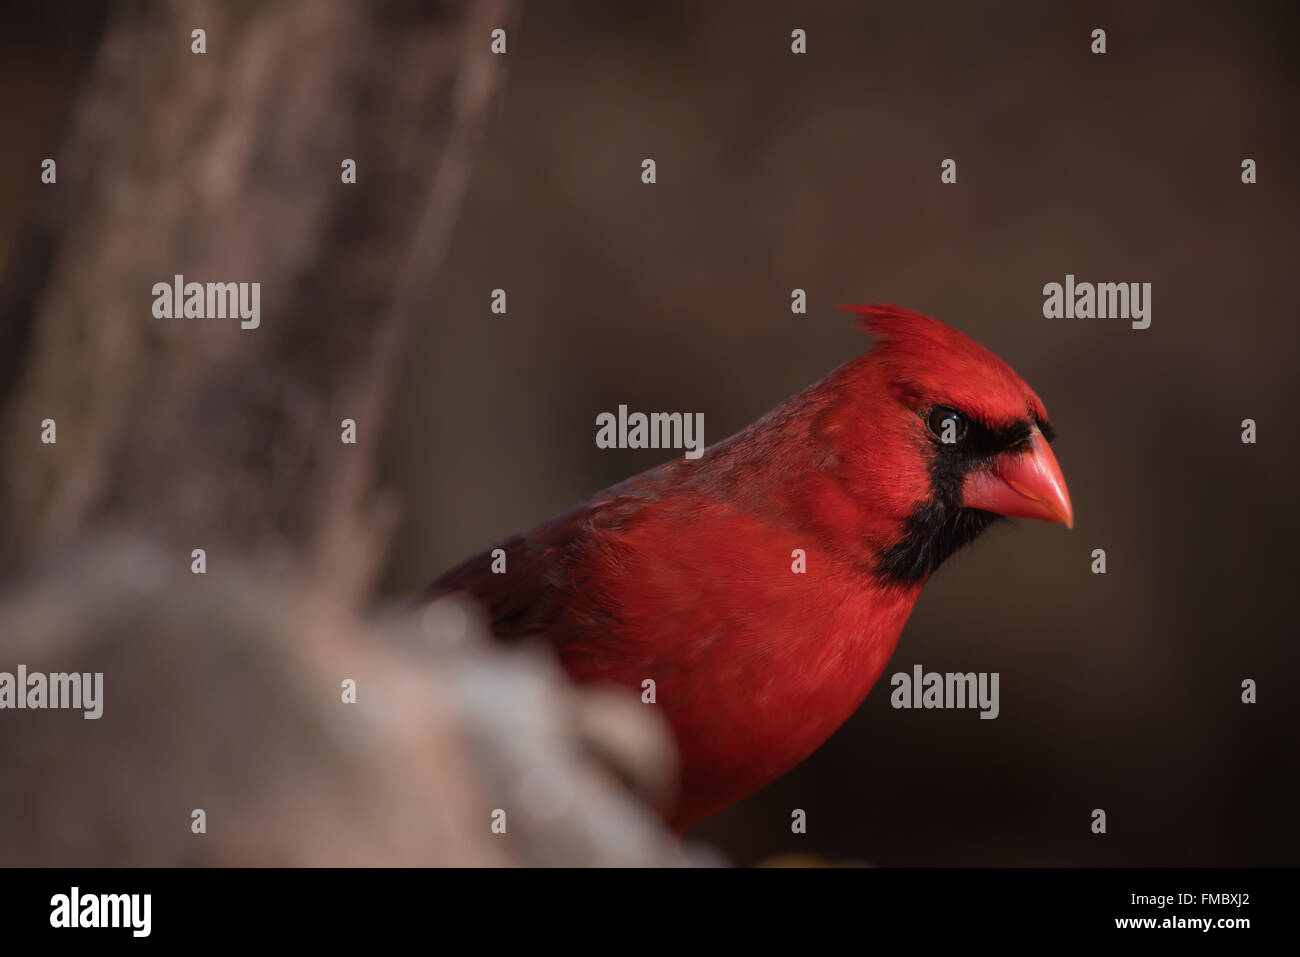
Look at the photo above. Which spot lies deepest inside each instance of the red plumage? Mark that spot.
(683, 574)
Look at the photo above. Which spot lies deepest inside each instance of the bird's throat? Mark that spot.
(933, 532)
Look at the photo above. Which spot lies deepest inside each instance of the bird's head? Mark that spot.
(940, 437)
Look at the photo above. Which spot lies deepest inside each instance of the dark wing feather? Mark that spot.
(547, 568)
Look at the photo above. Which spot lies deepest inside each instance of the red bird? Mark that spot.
(686, 573)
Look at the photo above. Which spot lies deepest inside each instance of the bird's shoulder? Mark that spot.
(528, 580)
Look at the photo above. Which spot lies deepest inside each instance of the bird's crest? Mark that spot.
(894, 323)
(936, 359)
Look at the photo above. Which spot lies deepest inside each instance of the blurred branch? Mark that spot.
(225, 166)
(222, 693)
(222, 690)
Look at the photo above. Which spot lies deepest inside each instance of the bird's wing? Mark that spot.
(547, 569)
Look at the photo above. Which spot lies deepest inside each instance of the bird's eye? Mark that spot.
(948, 425)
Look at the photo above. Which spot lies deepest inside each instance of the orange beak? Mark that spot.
(1025, 482)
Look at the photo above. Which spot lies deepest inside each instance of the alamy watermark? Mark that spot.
(179, 299)
(657, 430)
(949, 690)
(1103, 300)
(58, 690)
(75, 909)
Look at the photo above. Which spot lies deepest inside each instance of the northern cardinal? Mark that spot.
(688, 574)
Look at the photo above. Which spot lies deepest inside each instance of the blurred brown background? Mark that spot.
(821, 171)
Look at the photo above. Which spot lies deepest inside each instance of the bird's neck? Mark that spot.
(789, 468)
